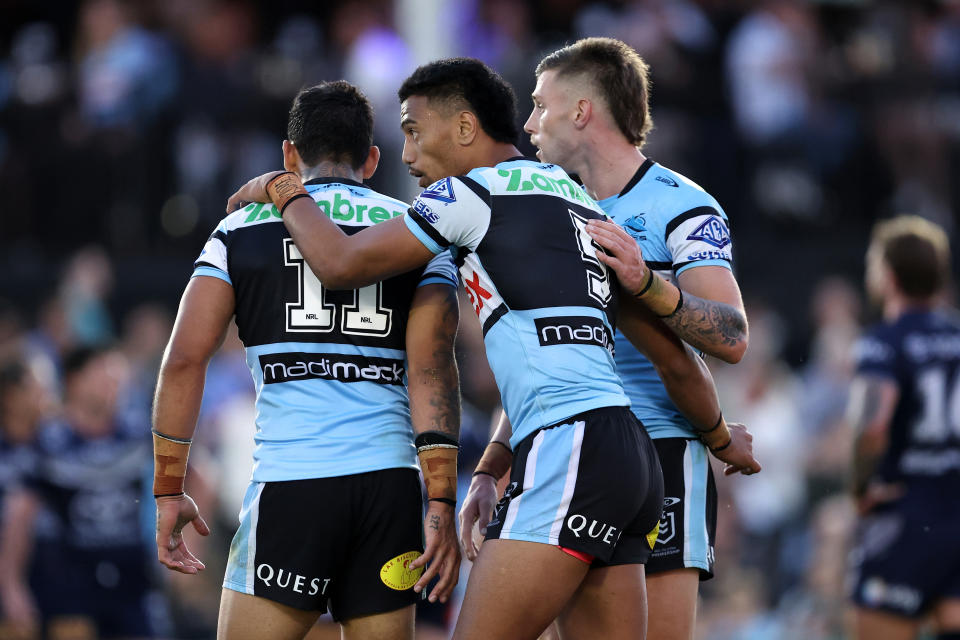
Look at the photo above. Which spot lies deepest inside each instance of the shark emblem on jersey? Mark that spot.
(636, 227)
(667, 181)
(713, 232)
(441, 190)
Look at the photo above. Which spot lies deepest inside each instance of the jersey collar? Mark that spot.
(334, 180)
(647, 163)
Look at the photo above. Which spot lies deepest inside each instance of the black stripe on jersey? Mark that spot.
(219, 235)
(681, 265)
(461, 257)
(203, 263)
(686, 215)
(658, 266)
(428, 228)
(477, 188)
(642, 171)
(491, 320)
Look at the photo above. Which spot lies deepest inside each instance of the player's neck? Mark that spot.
(493, 153)
(898, 304)
(609, 167)
(330, 169)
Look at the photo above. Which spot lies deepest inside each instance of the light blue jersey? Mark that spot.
(329, 367)
(530, 269)
(678, 226)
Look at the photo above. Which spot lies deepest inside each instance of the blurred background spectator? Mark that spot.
(124, 125)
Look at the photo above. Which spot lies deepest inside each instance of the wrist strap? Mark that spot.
(492, 461)
(284, 189)
(170, 456)
(481, 472)
(646, 287)
(676, 308)
(438, 462)
(714, 427)
(448, 501)
(502, 444)
(721, 448)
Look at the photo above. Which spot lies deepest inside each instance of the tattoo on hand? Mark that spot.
(434, 522)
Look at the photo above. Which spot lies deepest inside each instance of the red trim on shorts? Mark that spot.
(579, 555)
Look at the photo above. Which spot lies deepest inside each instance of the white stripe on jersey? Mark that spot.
(573, 468)
(529, 474)
(252, 540)
(687, 496)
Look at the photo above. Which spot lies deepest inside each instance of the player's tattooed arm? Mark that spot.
(870, 410)
(433, 378)
(708, 313)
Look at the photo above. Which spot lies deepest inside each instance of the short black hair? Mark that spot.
(487, 94)
(331, 121)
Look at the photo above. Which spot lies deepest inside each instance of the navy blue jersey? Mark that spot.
(95, 487)
(920, 352)
(546, 304)
(329, 367)
(16, 462)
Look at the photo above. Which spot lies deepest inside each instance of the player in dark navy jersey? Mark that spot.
(591, 115)
(333, 515)
(579, 517)
(905, 406)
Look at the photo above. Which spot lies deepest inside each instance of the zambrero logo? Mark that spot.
(396, 574)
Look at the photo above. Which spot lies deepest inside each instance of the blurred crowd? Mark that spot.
(124, 125)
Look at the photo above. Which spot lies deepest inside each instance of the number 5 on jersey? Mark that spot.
(311, 313)
(598, 279)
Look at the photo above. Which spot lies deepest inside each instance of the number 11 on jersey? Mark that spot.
(311, 313)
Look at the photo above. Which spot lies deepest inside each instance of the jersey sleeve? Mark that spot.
(213, 259)
(440, 270)
(450, 212)
(699, 237)
(876, 355)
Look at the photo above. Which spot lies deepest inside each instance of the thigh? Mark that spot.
(393, 625)
(387, 533)
(516, 588)
(880, 625)
(610, 603)
(248, 617)
(672, 604)
(688, 526)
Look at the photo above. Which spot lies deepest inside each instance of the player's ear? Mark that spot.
(467, 127)
(291, 157)
(370, 164)
(583, 113)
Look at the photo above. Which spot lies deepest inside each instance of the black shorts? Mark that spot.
(906, 557)
(340, 541)
(591, 484)
(689, 524)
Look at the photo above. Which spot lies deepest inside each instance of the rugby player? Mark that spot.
(333, 512)
(905, 408)
(591, 116)
(579, 516)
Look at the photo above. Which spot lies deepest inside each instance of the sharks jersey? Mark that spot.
(546, 304)
(678, 226)
(328, 366)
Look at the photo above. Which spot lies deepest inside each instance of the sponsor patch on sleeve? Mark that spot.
(713, 231)
(441, 190)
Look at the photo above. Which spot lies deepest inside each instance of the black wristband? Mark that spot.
(172, 438)
(714, 427)
(296, 197)
(434, 440)
(448, 501)
(729, 442)
(167, 495)
(676, 308)
(484, 473)
(502, 444)
(646, 287)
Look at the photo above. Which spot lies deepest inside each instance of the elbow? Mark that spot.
(735, 352)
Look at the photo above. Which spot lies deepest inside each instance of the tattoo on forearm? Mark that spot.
(706, 324)
(444, 379)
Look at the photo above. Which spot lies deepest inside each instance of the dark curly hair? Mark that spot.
(331, 121)
(485, 93)
(620, 76)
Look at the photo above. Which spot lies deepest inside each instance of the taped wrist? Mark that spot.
(284, 189)
(438, 462)
(169, 464)
(496, 460)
